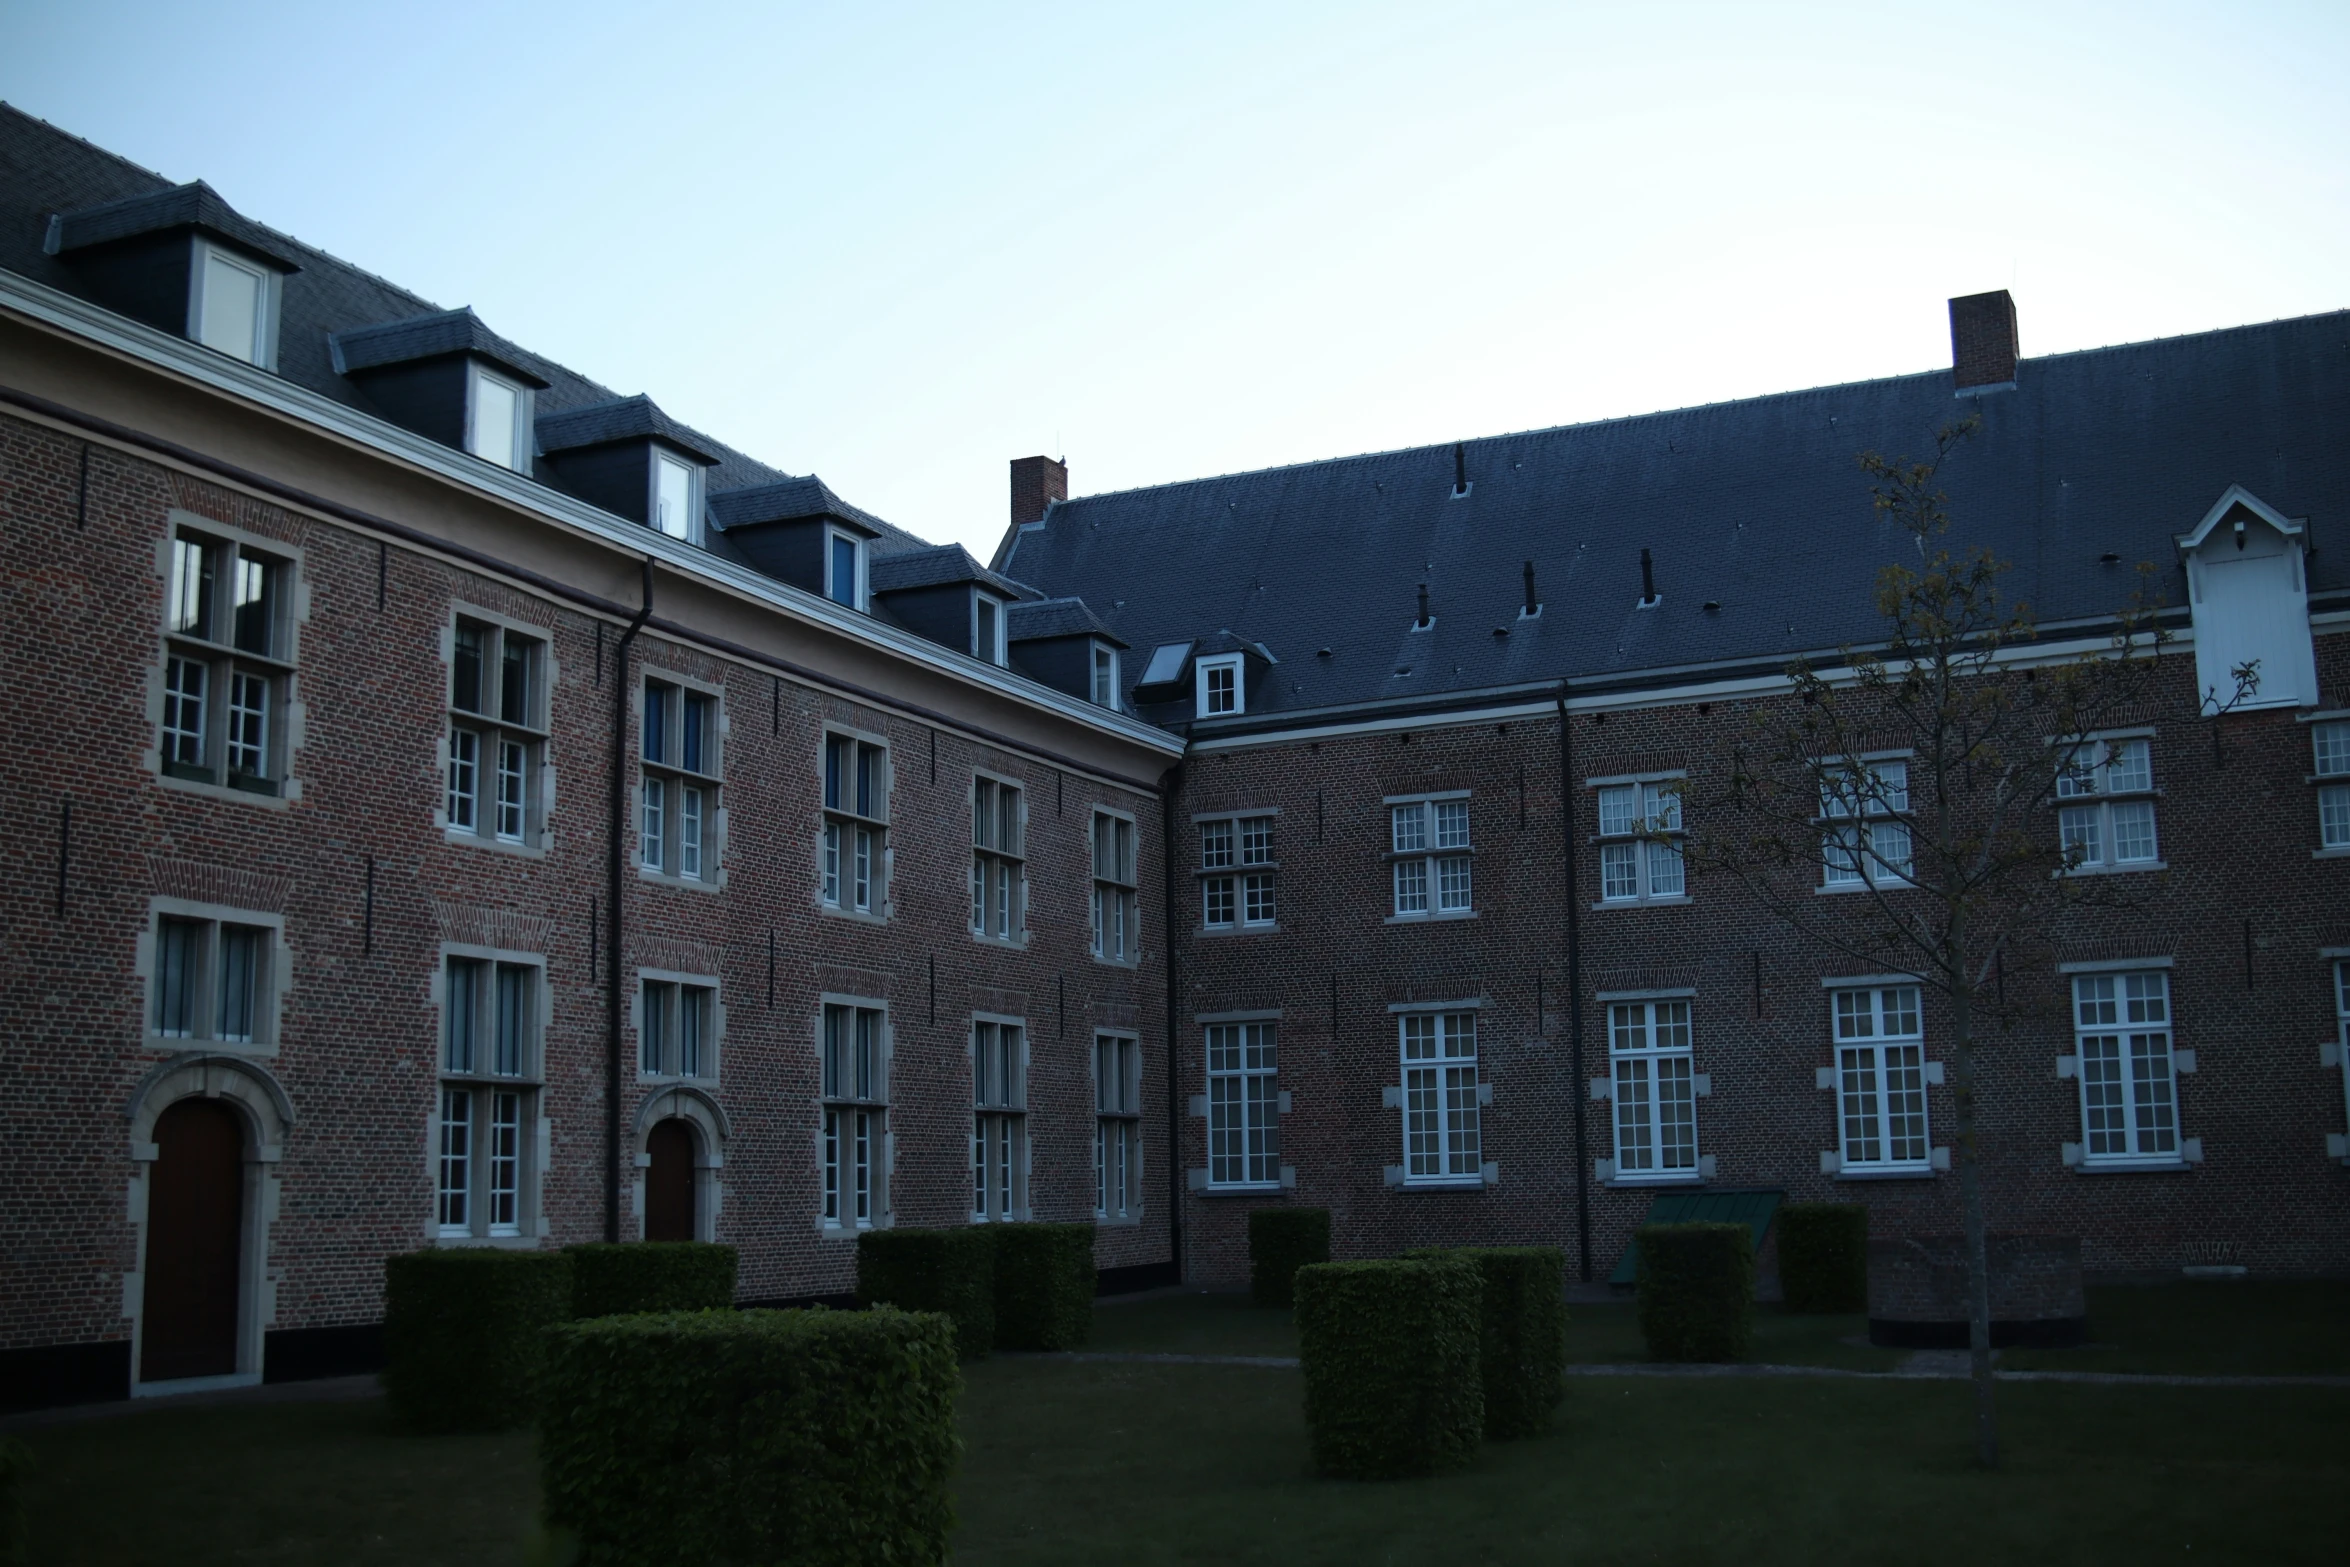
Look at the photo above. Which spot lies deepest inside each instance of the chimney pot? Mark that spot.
(1982, 340)
(1037, 482)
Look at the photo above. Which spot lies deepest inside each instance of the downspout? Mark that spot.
(1578, 1094)
(616, 835)
(1168, 786)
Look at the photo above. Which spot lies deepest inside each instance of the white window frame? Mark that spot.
(1239, 871)
(1431, 872)
(519, 438)
(1206, 690)
(1442, 1146)
(854, 1149)
(1242, 1057)
(998, 1052)
(860, 588)
(1114, 848)
(999, 873)
(852, 846)
(266, 305)
(1878, 1039)
(1865, 819)
(2141, 1099)
(690, 525)
(495, 1132)
(672, 992)
(477, 806)
(2329, 741)
(1640, 851)
(1653, 1089)
(2089, 802)
(158, 955)
(1117, 1127)
(1102, 675)
(2342, 1041)
(681, 846)
(990, 649)
(208, 731)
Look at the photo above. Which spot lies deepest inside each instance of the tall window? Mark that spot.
(1441, 1134)
(1105, 675)
(674, 483)
(236, 306)
(2342, 1026)
(1860, 843)
(212, 981)
(678, 831)
(677, 1029)
(1655, 1089)
(1117, 903)
(2105, 814)
(2129, 1083)
(497, 419)
(844, 569)
(999, 1121)
(489, 1096)
(1429, 855)
(999, 871)
(1219, 693)
(1237, 871)
(1244, 1132)
(497, 732)
(987, 627)
(1117, 1126)
(1881, 1079)
(856, 824)
(2333, 783)
(228, 639)
(853, 1072)
(1640, 847)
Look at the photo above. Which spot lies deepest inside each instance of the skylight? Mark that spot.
(1166, 663)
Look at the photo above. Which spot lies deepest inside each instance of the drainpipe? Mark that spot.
(616, 837)
(1574, 989)
(1168, 787)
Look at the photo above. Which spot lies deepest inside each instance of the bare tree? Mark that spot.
(1922, 777)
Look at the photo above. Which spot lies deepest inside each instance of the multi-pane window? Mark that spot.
(1861, 844)
(856, 824)
(2129, 1082)
(1105, 675)
(1640, 841)
(212, 981)
(999, 1121)
(497, 731)
(1429, 855)
(489, 1093)
(1880, 1079)
(1238, 869)
(1117, 1126)
(1244, 1132)
(1441, 1135)
(999, 870)
(678, 828)
(2333, 783)
(677, 1029)
(1655, 1089)
(1117, 902)
(1219, 693)
(228, 638)
(2105, 809)
(853, 1072)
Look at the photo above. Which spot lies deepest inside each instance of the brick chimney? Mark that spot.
(1982, 340)
(1037, 482)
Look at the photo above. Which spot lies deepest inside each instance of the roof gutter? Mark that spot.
(616, 833)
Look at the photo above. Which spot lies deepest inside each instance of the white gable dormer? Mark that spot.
(2248, 590)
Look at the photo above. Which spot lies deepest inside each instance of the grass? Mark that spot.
(2241, 1327)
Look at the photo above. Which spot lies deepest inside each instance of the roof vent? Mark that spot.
(1460, 470)
(1426, 620)
(1983, 342)
(1648, 595)
(1533, 607)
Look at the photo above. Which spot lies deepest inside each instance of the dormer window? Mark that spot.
(987, 627)
(1219, 686)
(674, 482)
(844, 568)
(497, 419)
(1105, 675)
(234, 308)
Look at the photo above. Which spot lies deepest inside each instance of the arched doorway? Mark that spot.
(669, 1181)
(195, 1235)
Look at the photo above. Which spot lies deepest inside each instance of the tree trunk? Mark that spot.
(1970, 1193)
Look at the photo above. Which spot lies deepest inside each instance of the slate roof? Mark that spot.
(457, 331)
(1757, 507)
(788, 500)
(195, 205)
(937, 566)
(1040, 620)
(623, 419)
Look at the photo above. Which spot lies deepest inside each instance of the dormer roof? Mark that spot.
(194, 205)
(1041, 620)
(939, 566)
(623, 419)
(430, 337)
(2225, 508)
(789, 500)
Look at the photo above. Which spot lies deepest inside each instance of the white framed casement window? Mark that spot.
(987, 628)
(214, 976)
(2332, 777)
(999, 1120)
(1654, 1085)
(852, 1049)
(2105, 805)
(2127, 1069)
(1880, 1080)
(678, 1020)
(2342, 1038)
(233, 305)
(1640, 858)
(854, 851)
(492, 1011)
(844, 568)
(497, 733)
(228, 662)
(1217, 683)
(498, 421)
(1117, 895)
(1244, 1102)
(675, 502)
(1430, 857)
(999, 865)
(1238, 871)
(1443, 1143)
(678, 824)
(1117, 1127)
(1105, 676)
(1861, 845)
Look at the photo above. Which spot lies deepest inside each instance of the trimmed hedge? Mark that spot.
(16, 1462)
(465, 1334)
(1044, 1283)
(1390, 1352)
(609, 1280)
(934, 1270)
(1697, 1291)
(751, 1436)
(1521, 1334)
(1281, 1241)
(1824, 1256)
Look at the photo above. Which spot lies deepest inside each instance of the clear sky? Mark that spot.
(898, 245)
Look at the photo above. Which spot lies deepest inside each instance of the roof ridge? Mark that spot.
(83, 141)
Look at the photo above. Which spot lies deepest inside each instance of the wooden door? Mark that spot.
(195, 1234)
(669, 1182)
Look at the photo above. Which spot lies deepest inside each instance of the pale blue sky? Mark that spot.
(897, 245)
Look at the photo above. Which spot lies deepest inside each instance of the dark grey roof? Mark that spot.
(428, 337)
(192, 206)
(788, 500)
(935, 567)
(1039, 620)
(1758, 507)
(623, 419)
